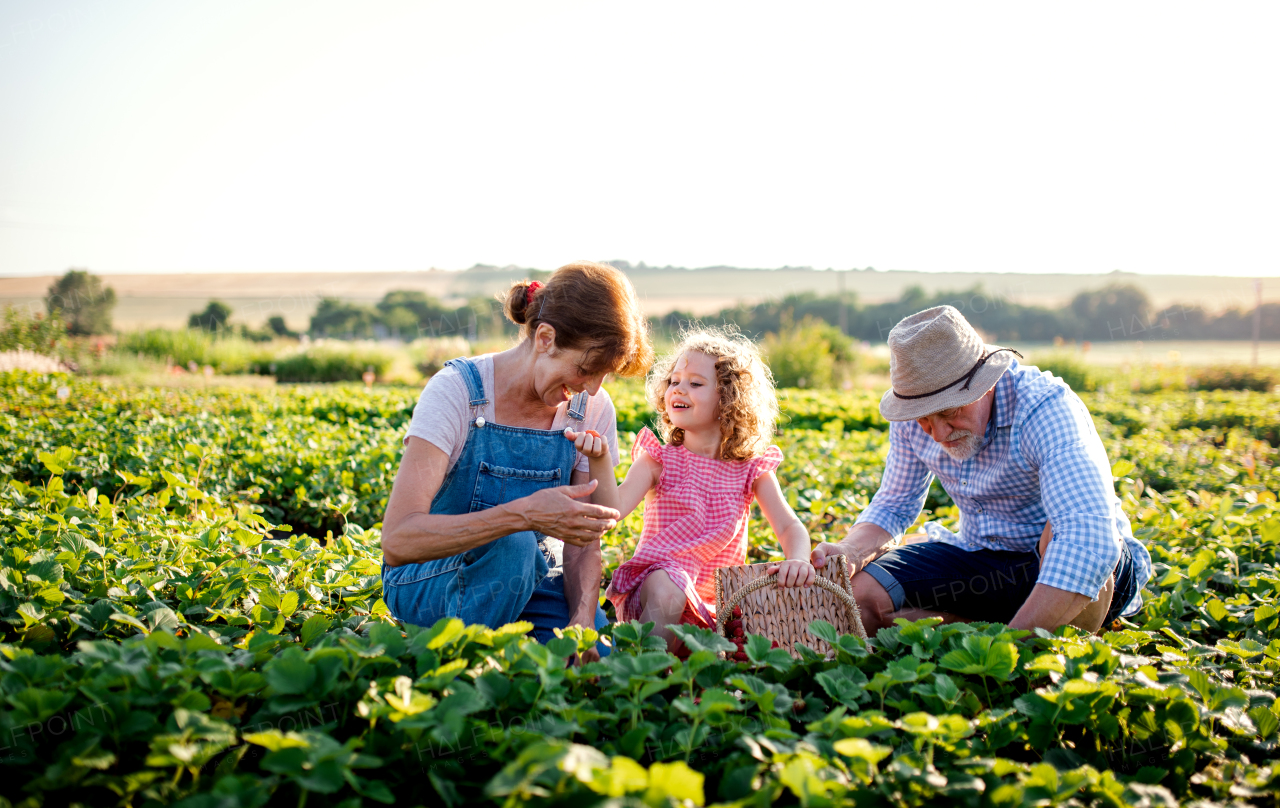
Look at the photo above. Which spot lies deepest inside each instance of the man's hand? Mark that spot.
(824, 551)
(864, 543)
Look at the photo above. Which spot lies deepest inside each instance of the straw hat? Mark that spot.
(936, 362)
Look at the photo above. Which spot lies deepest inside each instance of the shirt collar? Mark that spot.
(1005, 397)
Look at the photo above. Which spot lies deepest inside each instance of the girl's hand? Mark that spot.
(588, 442)
(793, 572)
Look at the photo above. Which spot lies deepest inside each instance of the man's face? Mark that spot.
(960, 429)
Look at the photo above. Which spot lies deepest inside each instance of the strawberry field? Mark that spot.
(191, 614)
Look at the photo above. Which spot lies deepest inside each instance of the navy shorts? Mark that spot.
(986, 585)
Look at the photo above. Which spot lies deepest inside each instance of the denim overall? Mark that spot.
(512, 578)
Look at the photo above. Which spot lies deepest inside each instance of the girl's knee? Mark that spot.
(660, 592)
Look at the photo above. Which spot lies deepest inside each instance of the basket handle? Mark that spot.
(760, 583)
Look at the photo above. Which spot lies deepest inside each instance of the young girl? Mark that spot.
(717, 410)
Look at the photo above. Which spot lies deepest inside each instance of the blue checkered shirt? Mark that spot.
(1041, 461)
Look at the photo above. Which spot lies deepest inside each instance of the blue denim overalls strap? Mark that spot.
(515, 577)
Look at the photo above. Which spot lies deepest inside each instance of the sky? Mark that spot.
(332, 136)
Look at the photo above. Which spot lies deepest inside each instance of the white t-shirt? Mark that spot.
(443, 413)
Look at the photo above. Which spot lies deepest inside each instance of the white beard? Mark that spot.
(969, 446)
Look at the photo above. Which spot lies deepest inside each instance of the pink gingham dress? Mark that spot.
(695, 521)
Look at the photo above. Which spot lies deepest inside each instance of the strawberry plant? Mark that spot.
(192, 615)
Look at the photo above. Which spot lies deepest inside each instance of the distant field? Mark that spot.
(1167, 353)
(167, 300)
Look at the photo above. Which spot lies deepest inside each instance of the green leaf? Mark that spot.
(863, 755)
(389, 637)
(58, 460)
(675, 781)
(1245, 648)
(758, 646)
(697, 638)
(1122, 468)
(313, 628)
(121, 617)
(824, 631)
(945, 688)
(1002, 659)
(1216, 609)
(275, 740)
(1263, 615)
(445, 631)
(1266, 722)
(290, 673)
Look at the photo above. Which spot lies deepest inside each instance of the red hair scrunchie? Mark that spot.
(534, 286)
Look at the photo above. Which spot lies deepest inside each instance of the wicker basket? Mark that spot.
(784, 614)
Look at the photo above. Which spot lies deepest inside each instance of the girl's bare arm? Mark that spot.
(641, 477)
(791, 533)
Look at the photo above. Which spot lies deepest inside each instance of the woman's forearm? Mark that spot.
(422, 537)
(582, 576)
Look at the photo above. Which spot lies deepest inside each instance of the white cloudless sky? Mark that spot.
(1009, 137)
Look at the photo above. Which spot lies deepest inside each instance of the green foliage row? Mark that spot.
(169, 639)
(31, 331)
(228, 353)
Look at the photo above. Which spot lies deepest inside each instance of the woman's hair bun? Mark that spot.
(516, 305)
(592, 307)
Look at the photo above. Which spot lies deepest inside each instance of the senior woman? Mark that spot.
(488, 473)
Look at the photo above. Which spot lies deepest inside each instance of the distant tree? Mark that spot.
(811, 353)
(81, 301)
(401, 322)
(278, 326)
(1117, 311)
(213, 318)
(423, 305)
(338, 318)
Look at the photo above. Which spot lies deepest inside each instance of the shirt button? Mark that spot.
(964, 482)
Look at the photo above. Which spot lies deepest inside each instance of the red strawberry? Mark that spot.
(733, 625)
(775, 645)
(737, 611)
(740, 656)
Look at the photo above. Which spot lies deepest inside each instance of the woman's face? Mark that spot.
(693, 398)
(558, 373)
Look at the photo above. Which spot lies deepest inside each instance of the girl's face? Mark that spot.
(693, 398)
(558, 372)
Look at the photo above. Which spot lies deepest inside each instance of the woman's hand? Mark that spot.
(588, 442)
(558, 512)
(793, 572)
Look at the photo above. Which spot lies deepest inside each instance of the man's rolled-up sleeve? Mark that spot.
(1078, 495)
(903, 487)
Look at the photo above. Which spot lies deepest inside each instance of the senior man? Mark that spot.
(1042, 540)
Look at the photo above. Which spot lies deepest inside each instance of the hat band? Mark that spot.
(966, 378)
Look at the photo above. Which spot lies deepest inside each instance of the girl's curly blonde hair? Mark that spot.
(748, 404)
